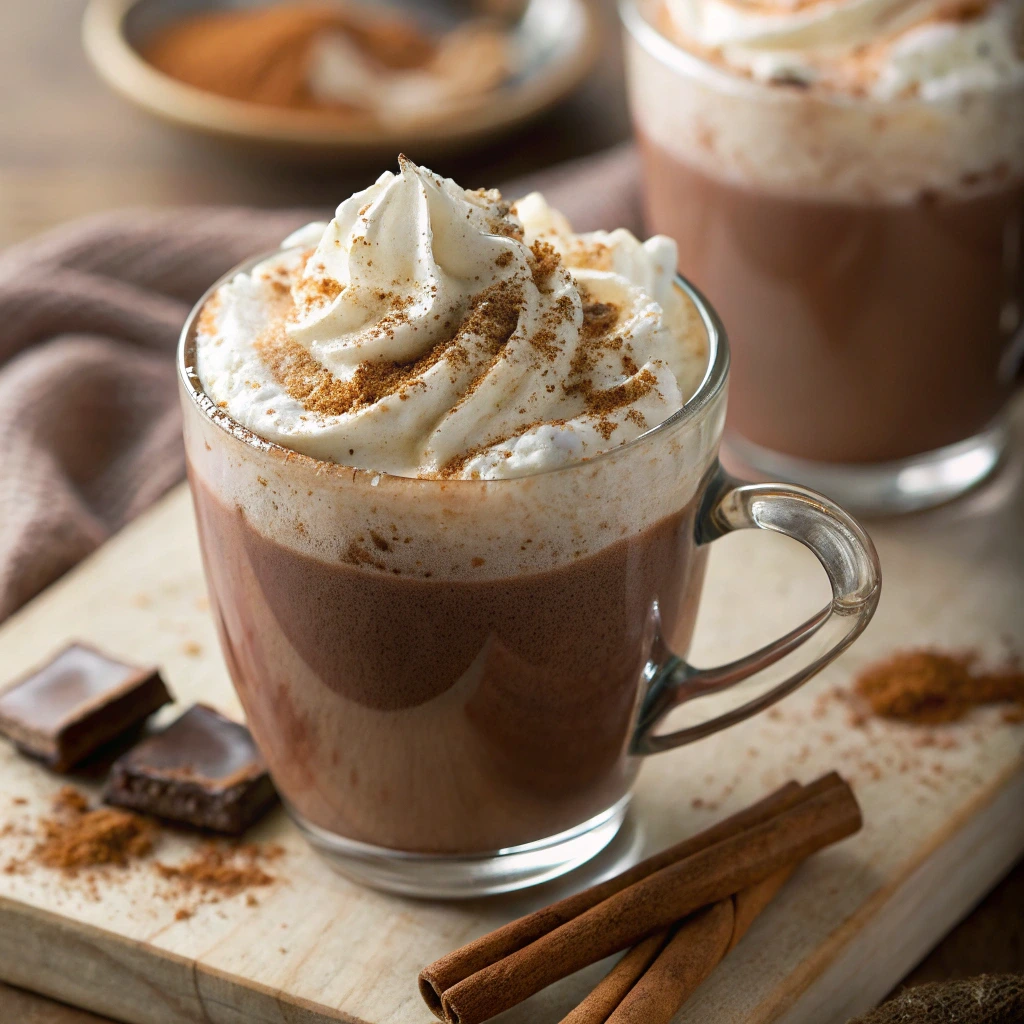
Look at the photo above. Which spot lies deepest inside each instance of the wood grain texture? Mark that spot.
(990, 939)
(850, 923)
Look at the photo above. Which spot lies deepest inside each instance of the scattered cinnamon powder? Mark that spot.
(601, 401)
(492, 316)
(598, 319)
(596, 336)
(70, 800)
(544, 263)
(224, 868)
(315, 291)
(929, 687)
(79, 838)
(76, 839)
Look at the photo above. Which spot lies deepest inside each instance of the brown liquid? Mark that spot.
(860, 333)
(445, 716)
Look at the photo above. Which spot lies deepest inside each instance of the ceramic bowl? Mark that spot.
(555, 40)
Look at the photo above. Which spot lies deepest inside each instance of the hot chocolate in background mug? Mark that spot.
(454, 680)
(846, 184)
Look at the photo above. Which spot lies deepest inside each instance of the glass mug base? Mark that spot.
(884, 488)
(463, 876)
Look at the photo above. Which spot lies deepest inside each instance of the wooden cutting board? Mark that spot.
(942, 806)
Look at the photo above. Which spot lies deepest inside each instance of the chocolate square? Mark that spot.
(203, 770)
(82, 699)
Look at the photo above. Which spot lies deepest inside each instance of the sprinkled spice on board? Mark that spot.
(229, 869)
(929, 687)
(77, 838)
(82, 842)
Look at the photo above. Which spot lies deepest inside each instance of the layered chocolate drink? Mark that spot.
(442, 547)
(845, 180)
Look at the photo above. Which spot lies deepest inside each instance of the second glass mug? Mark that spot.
(866, 254)
(454, 682)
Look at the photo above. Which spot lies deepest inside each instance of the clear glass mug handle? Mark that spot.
(851, 563)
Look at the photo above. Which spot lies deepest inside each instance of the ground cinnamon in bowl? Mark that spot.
(930, 687)
(333, 57)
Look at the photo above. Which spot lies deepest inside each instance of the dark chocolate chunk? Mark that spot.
(203, 770)
(69, 708)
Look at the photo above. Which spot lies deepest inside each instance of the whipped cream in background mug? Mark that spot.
(845, 181)
(886, 49)
(435, 331)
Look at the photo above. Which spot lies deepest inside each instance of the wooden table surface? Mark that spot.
(68, 147)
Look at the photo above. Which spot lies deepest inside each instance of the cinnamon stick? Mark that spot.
(608, 994)
(702, 941)
(665, 982)
(656, 902)
(692, 953)
(749, 902)
(441, 975)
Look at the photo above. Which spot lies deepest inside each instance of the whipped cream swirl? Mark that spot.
(435, 331)
(885, 49)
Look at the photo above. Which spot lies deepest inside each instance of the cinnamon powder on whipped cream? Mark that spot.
(429, 329)
(492, 316)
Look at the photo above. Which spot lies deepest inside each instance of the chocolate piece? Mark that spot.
(203, 769)
(81, 700)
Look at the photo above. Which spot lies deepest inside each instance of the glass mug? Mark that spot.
(867, 255)
(454, 682)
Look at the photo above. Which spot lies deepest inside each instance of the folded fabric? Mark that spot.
(89, 318)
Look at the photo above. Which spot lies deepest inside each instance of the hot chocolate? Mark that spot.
(454, 469)
(502, 717)
(846, 181)
(863, 332)
(440, 630)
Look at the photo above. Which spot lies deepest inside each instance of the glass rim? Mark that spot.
(711, 385)
(659, 46)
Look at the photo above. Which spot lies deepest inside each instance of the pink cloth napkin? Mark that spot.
(89, 319)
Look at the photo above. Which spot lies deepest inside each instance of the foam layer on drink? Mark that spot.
(436, 332)
(448, 529)
(847, 100)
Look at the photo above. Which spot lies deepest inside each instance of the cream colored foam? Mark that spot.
(812, 143)
(878, 48)
(524, 525)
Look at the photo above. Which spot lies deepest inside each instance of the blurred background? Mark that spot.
(69, 146)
